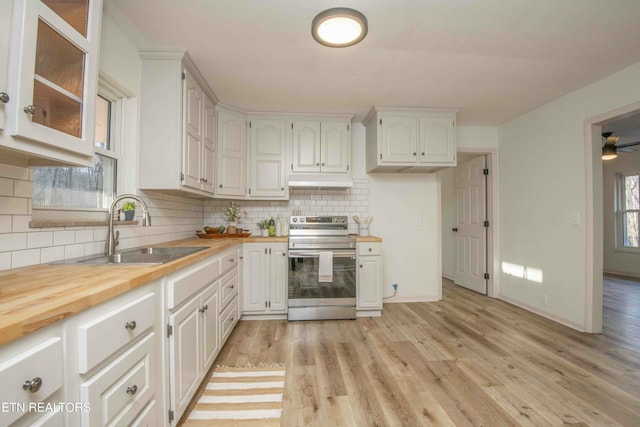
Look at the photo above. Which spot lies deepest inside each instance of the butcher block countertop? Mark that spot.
(37, 296)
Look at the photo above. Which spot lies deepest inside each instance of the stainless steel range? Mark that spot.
(322, 268)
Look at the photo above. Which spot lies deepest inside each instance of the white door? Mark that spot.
(471, 232)
(437, 140)
(192, 148)
(306, 146)
(254, 291)
(210, 340)
(399, 139)
(230, 154)
(267, 144)
(278, 278)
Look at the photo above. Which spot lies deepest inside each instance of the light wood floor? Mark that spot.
(466, 360)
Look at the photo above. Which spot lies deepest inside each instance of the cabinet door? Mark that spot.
(437, 140)
(208, 146)
(210, 339)
(267, 144)
(306, 146)
(255, 277)
(231, 154)
(5, 27)
(335, 147)
(192, 122)
(369, 283)
(184, 348)
(398, 139)
(55, 73)
(278, 278)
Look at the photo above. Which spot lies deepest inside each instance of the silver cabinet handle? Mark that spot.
(414, 154)
(323, 164)
(132, 390)
(4, 97)
(232, 287)
(32, 386)
(130, 325)
(30, 109)
(360, 265)
(203, 309)
(232, 319)
(370, 249)
(232, 259)
(422, 154)
(220, 185)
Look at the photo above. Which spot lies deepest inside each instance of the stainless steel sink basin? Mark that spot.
(149, 255)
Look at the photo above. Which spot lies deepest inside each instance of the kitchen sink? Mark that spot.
(148, 255)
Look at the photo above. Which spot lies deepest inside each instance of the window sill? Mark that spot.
(627, 250)
(75, 223)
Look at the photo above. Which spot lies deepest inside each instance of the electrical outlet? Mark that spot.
(395, 286)
(418, 221)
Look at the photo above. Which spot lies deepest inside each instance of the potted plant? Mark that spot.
(129, 209)
(264, 227)
(233, 214)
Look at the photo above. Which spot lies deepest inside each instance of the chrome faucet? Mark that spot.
(112, 237)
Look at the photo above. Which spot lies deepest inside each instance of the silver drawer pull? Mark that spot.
(231, 320)
(130, 325)
(231, 286)
(4, 97)
(32, 386)
(203, 309)
(231, 259)
(30, 109)
(132, 390)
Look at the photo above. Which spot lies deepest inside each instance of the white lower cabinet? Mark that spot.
(113, 354)
(265, 278)
(32, 373)
(198, 323)
(369, 292)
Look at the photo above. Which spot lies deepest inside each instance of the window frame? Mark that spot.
(620, 211)
(116, 130)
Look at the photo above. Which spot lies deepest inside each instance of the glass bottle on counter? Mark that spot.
(278, 227)
(272, 227)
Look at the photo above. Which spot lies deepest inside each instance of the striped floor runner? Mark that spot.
(239, 397)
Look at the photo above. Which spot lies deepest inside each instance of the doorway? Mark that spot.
(595, 218)
(469, 221)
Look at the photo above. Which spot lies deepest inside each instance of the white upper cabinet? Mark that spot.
(51, 82)
(410, 140)
(322, 145)
(306, 146)
(5, 27)
(231, 154)
(268, 140)
(335, 148)
(177, 125)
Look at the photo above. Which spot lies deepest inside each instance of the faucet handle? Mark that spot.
(116, 238)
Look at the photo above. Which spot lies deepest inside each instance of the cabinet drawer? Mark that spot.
(229, 261)
(147, 418)
(41, 363)
(229, 288)
(228, 319)
(368, 248)
(119, 392)
(105, 335)
(188, 281)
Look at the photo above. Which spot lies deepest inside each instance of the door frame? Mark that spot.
(493, 236)
(594, 221)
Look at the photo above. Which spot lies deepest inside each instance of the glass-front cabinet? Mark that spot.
(54, 58)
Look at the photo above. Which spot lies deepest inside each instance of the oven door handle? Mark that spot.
(316, 253)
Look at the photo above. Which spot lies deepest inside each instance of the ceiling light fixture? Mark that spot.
(609, 152)
(339, 27)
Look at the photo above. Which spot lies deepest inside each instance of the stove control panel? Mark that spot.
(319, 220)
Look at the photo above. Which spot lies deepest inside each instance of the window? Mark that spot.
(628, 211)
(85, 188)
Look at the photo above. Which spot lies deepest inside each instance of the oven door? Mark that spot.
(305, 288)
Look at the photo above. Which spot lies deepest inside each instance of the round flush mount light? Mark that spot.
(339, 27)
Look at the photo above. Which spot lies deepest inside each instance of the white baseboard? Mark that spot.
(246, 316)
(426, 298)
(623, 273)
(368, 313)
(544, 314)
(448, 276)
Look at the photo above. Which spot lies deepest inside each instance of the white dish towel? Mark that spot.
(325, 269)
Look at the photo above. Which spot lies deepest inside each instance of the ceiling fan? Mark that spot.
(610, 146)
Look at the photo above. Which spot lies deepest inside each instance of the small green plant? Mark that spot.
(264, 224)
(129, 206)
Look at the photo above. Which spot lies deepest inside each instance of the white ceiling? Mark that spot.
(492, 59)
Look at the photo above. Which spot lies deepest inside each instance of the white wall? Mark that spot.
(543, 187)
(618, 262)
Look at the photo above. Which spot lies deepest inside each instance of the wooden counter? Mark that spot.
(34, 297)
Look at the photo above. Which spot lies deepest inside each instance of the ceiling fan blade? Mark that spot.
(628, 144)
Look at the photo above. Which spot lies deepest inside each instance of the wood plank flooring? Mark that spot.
(467, 360)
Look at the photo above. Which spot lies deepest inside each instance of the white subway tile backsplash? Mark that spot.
(6, 187)
(5, 223)
(73, 251)
(23, 189)
(64, 237)
(25, 258)
(14, 172)
(20, 224)
(51, 254)
(39, 239)
(84, 236)
(5, 261)
(13, 242)
(13, 206)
